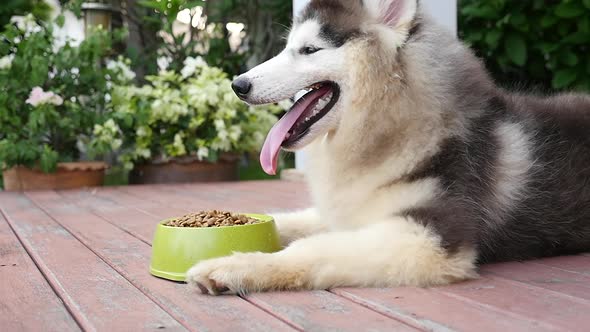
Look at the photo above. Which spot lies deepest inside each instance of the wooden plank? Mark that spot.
(543, 276)
(309, 311)
(577, 264)
(323, 311)
(97, 296)
(130, 257)
(27, 302)
(434, 311)
(159, 202)
(266, 194)
(521, 300)
(258, 197)
(152, 207)
(130, 219)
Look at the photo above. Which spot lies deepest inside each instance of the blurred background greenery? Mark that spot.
(529, 45)
(533, 44)
(538, 42)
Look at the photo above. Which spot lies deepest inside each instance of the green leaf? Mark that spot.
(586, 3)
(548, 21)
(48, 160)
(157, 5)
(60, 20)
(564, 78)
(569, 9)
(195, 3)
(493, 38)
(568, 58)
(577, 38)
(516, 49)
(213, 156)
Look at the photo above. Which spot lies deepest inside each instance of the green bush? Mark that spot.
(541, 43)
(52, 94)
(9, 8)
(189, 114)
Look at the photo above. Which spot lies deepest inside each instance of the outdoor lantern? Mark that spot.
(97, 13)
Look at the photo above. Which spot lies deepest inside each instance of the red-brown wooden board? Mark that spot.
(97, 296)
(576, 264)
(257, 197)
(27, 302)
(523, 300)
(87, 256)
(127, 218)
(435, 311)
(130, 257)
(543, 276)
(323, 311)
(301, 310)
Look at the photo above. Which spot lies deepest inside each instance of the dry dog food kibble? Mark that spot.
(211, 219)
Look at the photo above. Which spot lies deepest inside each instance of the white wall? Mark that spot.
(444, 11)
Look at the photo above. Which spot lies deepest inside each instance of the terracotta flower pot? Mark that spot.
(67, 176)
(226, 169)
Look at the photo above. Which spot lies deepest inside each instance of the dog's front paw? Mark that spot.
(230, 274)
(241, 274)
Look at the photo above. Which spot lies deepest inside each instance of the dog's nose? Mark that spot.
(241, 87)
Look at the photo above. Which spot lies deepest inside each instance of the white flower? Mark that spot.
(38, 97)
(223, 134)
(116, 143)
(75, 71)
(144, 153)
(141, 132)
(26, 24)
(107, 97)
(122, 69)
(202, 153)
(219, 124)
(52, 73)
(97, 129)
(6, 61)
(190, 66)
(17, 40)
(163, 62)
(197, 62)
(235, 132)
(187, 71)
(111, 125)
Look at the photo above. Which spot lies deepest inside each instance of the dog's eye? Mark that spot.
(307, 50)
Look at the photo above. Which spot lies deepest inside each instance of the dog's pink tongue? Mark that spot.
(269, 156)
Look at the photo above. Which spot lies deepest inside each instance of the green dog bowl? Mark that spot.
(177, 249)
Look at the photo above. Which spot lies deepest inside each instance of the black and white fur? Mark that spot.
(423, 169)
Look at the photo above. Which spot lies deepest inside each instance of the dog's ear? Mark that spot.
(393, 13)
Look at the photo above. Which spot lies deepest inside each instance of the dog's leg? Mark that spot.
(394, 252)
(296, 225)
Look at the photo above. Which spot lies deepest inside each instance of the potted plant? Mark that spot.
(52, 93)
(184, 126)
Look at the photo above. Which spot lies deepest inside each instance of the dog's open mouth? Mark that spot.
(296, 124)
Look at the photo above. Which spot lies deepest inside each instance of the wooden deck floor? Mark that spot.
(76, 260)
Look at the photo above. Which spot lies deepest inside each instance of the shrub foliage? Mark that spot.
(541, 43)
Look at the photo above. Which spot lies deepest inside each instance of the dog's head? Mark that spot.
(321, 50)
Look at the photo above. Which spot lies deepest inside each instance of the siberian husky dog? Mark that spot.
(420, 168)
